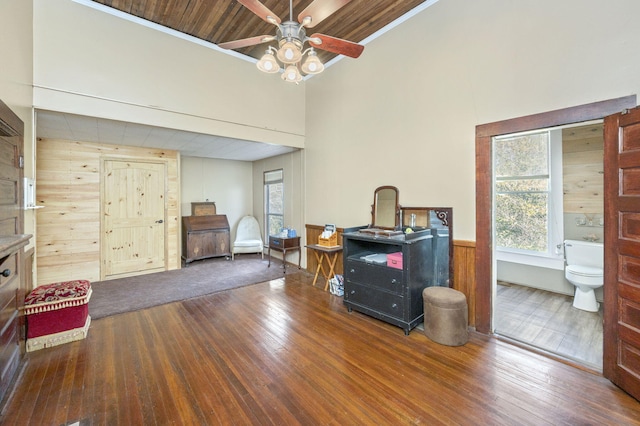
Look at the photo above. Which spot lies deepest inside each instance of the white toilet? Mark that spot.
(585, 262)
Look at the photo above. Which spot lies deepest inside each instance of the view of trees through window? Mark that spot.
(274, 201)
(522, 191)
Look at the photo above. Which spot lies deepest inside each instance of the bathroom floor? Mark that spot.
(549, 321)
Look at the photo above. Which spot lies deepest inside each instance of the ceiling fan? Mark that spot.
(291, 37)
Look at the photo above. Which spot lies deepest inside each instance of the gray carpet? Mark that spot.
(198, 279)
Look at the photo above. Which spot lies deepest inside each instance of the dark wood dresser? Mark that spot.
(391, 294)
(205, 236)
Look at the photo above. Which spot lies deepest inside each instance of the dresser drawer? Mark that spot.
(10, 265)
(372, 298)
(374, 275)
(283, 243)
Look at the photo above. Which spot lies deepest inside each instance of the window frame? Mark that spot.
(272, 177)
(553, 257)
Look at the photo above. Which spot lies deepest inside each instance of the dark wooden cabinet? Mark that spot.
(12, 241)
(390, 294)
(204, 237)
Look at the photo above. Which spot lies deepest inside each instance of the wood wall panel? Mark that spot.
(68, 185)
(583, 170)
(312, 234)
(464, 272)
(464, 265)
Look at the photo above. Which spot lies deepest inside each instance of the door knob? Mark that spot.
(6, 272)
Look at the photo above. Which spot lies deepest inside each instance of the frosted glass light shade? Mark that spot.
(312, 64)
(289, 52)
(291, 74)
(268, 63)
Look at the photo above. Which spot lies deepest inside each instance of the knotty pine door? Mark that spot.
(133, 218)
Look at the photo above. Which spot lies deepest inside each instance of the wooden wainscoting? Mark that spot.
(312, 234)
(68, 186)
(464, 271)
(464, 265)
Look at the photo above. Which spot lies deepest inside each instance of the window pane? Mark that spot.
(275, 198)
(276, 223)
(521, 221)
(521, 185)
(525, 155)
(273, 176)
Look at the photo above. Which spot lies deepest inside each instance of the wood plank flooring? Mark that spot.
(550, 322)
(285, 353)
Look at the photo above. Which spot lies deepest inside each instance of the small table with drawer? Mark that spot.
(284, 245)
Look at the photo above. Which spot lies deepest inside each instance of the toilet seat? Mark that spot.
(585, 271)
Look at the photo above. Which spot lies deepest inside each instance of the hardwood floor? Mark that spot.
(286, 353)
(549, 321)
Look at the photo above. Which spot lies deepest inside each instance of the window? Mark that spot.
(273, 202)
(524, 202)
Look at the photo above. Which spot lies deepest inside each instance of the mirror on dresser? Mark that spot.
(385, 211)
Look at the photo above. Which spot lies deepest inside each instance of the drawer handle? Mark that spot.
(6, 272)
(393, 281)
(353, 292)
(395, 305)
(352, 271)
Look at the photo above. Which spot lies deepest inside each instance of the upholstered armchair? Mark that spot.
(248, 238)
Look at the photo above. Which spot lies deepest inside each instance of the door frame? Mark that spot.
(484, 187)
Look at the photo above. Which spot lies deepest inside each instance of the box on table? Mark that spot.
(57, 313)
(332, 241)
(394, 260)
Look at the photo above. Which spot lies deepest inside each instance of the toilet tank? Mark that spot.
(584, 253)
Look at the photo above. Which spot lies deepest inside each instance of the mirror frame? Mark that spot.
(375, 206)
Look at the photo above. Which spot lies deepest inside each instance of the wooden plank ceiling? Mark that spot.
(219, 21)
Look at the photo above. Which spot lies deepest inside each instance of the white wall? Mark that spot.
(228, 183)
(16, 77)
(542, 278)
(92, 63)
(405, 112)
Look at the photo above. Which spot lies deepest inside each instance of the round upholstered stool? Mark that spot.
(446, 316)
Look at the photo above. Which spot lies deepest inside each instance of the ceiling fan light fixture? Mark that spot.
(291, 37)
(268, 63)
(312, 64)
(290, 52)
(291, 74)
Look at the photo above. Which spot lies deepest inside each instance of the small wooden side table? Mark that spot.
(328, 254)
(284, 245)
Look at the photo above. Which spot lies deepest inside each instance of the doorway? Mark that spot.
(485, 261)
(548, 187)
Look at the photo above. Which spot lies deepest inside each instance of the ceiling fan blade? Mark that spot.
(336, 45)
(261, 10)
(251, 41)
(318, 10)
